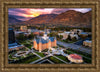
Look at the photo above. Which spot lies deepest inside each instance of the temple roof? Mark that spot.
(43, 41)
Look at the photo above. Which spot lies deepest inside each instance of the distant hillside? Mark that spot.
(73, 18)
(12, 19)
(69, 18)
(42, 19)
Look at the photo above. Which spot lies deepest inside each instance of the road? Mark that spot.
(46, 60)
(40, 59)
(35, 53)
(75, 47)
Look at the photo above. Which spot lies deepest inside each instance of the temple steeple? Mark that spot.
(40, 40)
(34, 39)
(55, 38)
(45, 34)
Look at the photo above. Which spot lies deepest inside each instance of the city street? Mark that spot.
(75, 47)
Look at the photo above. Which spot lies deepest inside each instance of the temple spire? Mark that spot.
(34, 39)
(49, 40)
(55, 38)
(40, 40)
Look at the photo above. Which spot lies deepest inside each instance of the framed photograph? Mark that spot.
(45, 36)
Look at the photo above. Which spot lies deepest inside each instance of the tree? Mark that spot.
(31, 36)
(60, 36)
(74, 39)
(69, 38)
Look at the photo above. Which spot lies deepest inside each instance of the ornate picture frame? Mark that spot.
(6, 4)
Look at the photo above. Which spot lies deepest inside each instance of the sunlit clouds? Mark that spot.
(28, 13)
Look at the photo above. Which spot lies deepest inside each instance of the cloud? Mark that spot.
(27, 13)
(83, 10)
(58, 11)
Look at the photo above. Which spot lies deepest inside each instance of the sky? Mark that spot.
(28, 13)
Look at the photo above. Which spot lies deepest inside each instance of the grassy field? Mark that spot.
(10, 56)
(56, 61)
(78, 52)
(40, 54)
(30, 60)
(45, 50)
(26, 60)
(63, 58)
(83, 55)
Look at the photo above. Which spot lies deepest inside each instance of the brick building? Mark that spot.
(23, 28)
(44, 42)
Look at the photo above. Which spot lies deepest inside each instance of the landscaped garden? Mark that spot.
(79, 52)
(40, 54)
(26, 60)
(63, 58)
(11, 57)
(86, 57)
(45, 50)
(56, 61)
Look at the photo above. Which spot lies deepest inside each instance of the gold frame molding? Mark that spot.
(5, 67)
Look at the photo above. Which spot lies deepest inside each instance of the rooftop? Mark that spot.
(75, 56)
(43, 41)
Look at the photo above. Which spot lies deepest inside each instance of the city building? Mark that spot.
(33, 30)
(87, 43)
(67, 33)
(48, 31)
(74, 36)
(12, 44)
(78, 31)
(75, 58)
(17, 33)
(11, 36)
(84, 33)
(23, 28)
(44, 42)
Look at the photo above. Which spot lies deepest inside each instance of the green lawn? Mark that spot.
(68, 52)
(22, 42)
(45, 50)
(87, 60)
(40, 54)
(63, 58)
(10, 56)
(29, 54)
(81, 53)
(30, 60)
(26, 43)
(27, 60)
(53, 59)
(84, 56)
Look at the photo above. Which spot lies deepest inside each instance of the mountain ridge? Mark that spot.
(69, 18)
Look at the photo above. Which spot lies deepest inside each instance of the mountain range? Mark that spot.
(12, 19)
(69, 18)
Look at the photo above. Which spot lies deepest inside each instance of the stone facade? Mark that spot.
(44, 42)
(40, 46)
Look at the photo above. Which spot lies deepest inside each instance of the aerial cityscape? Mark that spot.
(50, 36)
